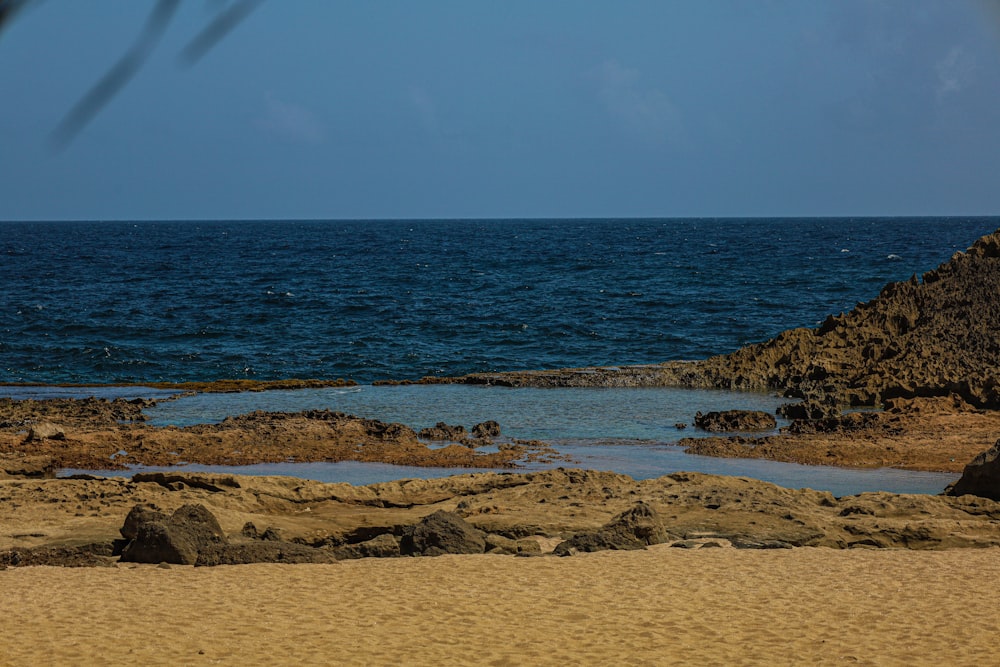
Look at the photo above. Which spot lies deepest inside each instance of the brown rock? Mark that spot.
(27, 466)
(735, 420)
(486, 429)
(442, 431)
(46, 431)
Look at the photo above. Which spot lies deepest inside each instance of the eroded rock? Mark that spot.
(635, 528)
(981, 477)
(190, 531)
(735, 420)
(442, 533)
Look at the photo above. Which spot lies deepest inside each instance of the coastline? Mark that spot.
(937, 424)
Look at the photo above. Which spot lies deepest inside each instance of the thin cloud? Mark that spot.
(647, 112)
(955, 71)
(291, 121)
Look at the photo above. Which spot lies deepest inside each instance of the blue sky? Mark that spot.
(520, 108)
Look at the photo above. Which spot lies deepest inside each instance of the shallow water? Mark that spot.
(629, 431)
(529, 413)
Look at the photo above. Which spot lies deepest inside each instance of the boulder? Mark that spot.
(139, 515)
(441, 533)
(46, 431)
(633, 529)
(179, 540)
(486, 429)
(981, 477)
(735, 420)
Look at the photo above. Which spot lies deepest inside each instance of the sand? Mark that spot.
(659, 606)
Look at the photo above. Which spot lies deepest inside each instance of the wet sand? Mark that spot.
(659, 606)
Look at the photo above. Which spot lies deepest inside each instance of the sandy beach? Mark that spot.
(653, 607)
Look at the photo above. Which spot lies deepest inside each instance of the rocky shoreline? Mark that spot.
(933, 337)
(213, 519)
(923, 351)
(101, 434)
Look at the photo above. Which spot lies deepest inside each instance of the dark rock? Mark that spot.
(442, 431)
(981, 476)
(381, 546)
(441, 533)
(735, 420)
(191, 530)
(633, 529)
(271, 535)
(257, 551)
(748, 543)
(139, 515)
(808, 410)
(487, 429)
(87, 555)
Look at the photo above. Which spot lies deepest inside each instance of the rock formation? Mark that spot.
(442, 533)
(933, 337)
(636, 528)
(981, 477)
(735, 420)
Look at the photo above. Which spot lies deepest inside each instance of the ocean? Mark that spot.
(119, 302)
(113, 302)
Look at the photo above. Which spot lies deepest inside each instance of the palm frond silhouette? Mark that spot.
(117, 77)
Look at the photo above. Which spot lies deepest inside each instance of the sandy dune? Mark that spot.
(660, 606)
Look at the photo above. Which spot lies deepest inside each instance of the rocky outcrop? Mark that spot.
(917, 338)
(92, 442)
(442, 533)
(486, 429)
(245, 553)
(180, 539)
(481, 434)
(27, 466)
(192, 536)
(500, 513)
(24, 414)
(46, 431)
(442, 431)
(728, 421)
(381, 546)
(981, 477)
(636, 528)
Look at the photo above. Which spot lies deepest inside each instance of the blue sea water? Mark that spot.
(367, 300)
